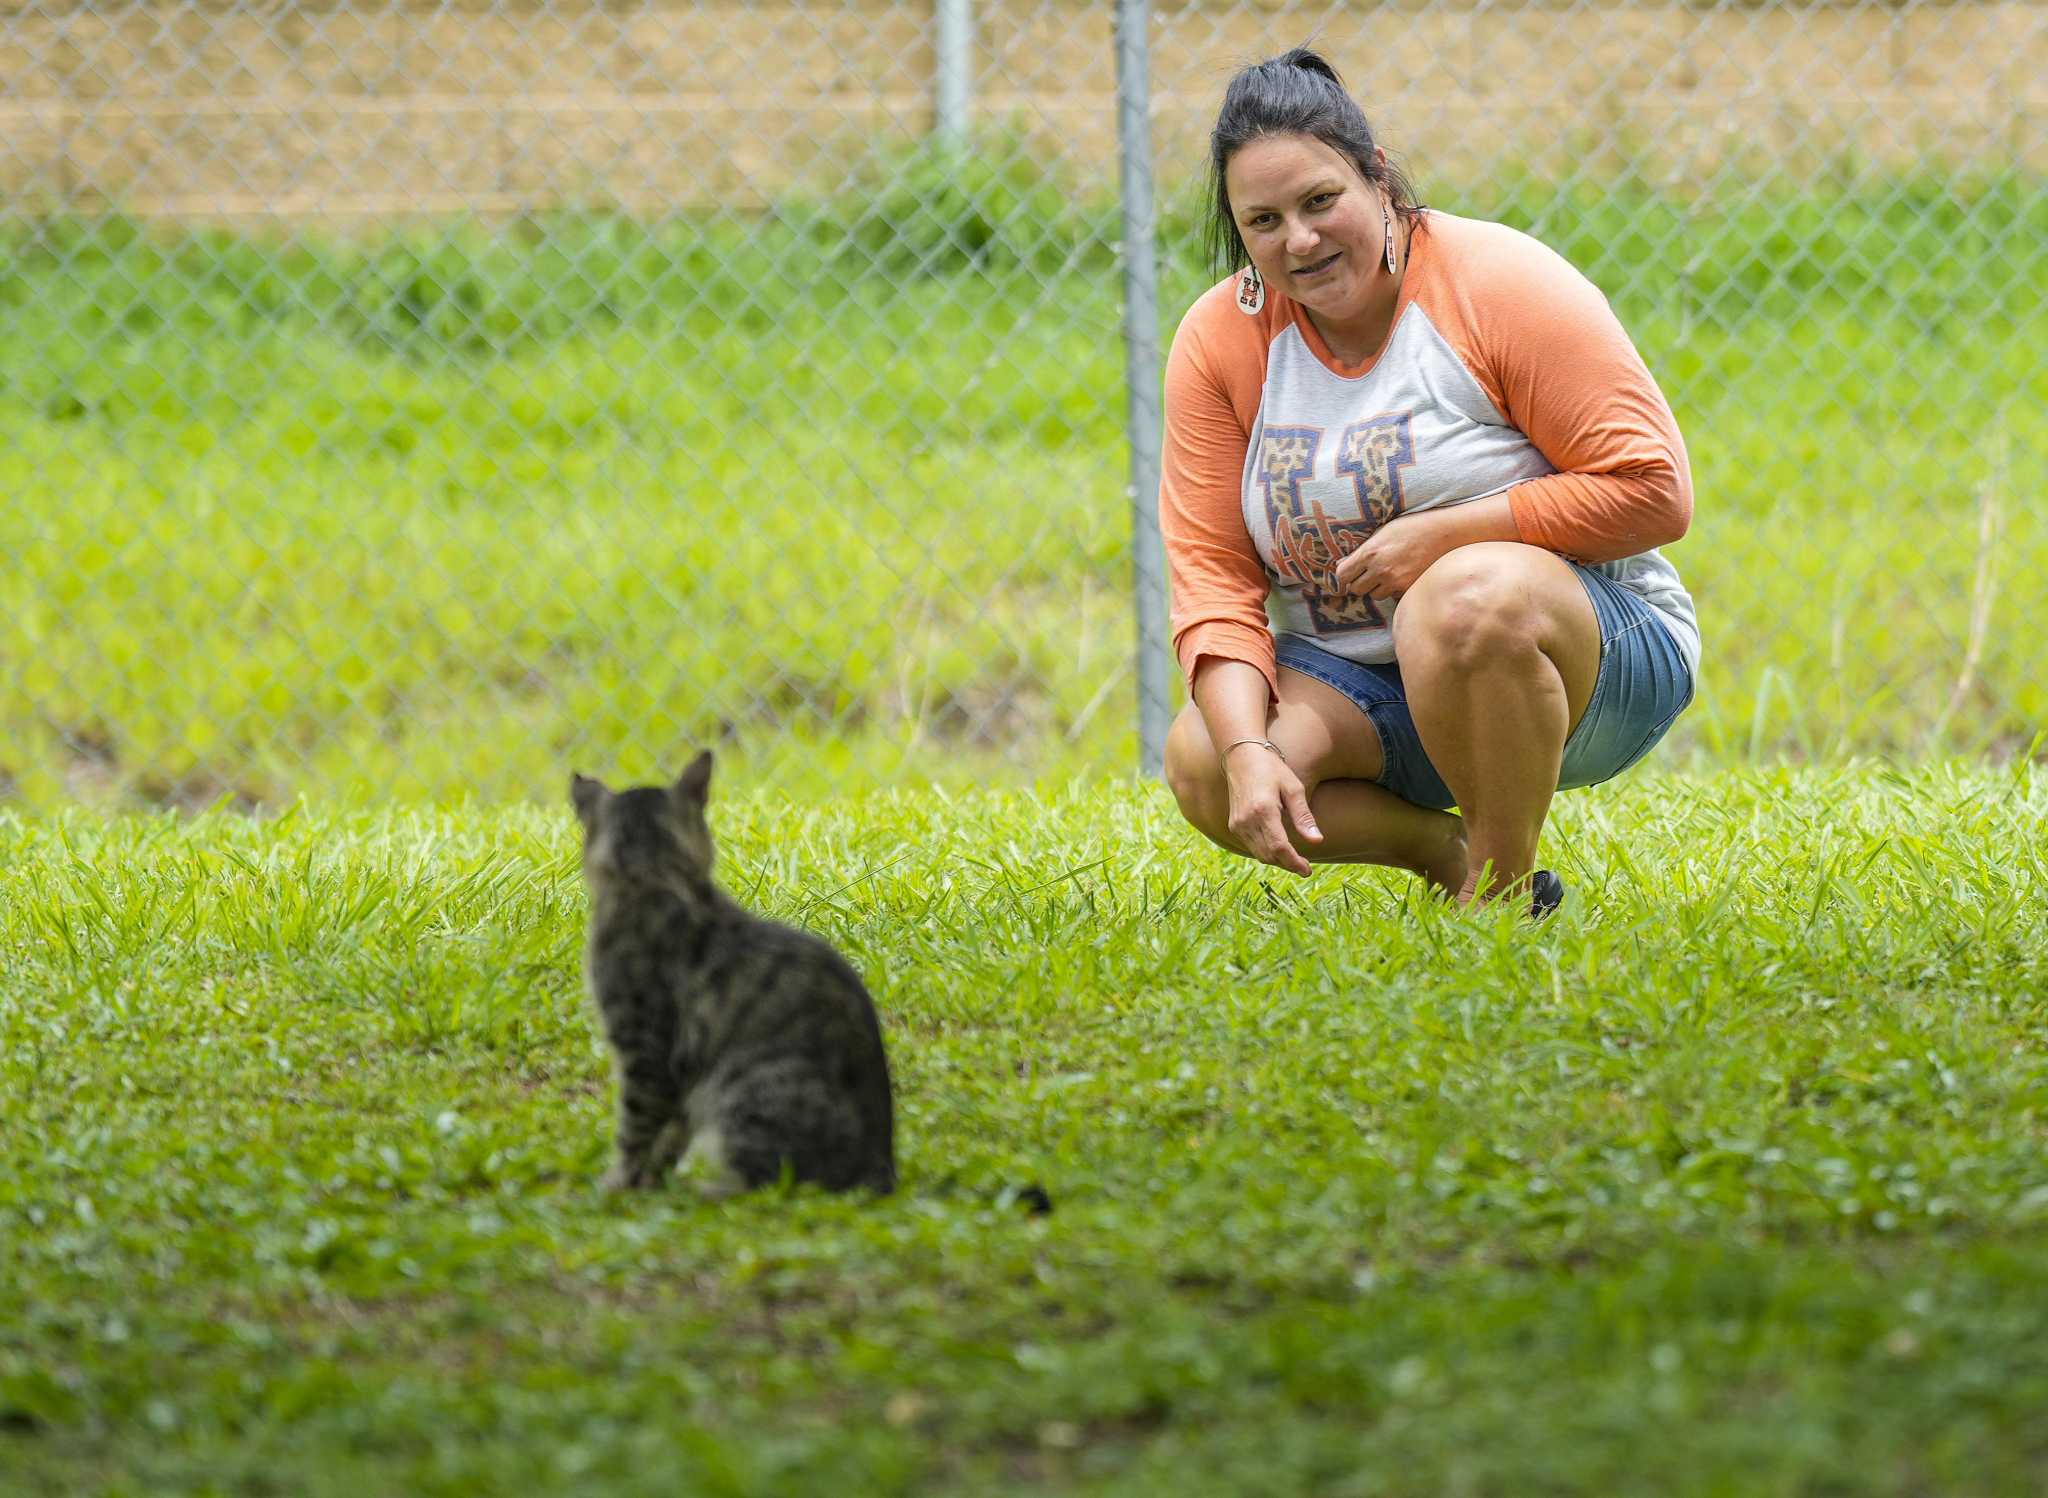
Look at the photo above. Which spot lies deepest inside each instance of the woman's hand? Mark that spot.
(1399, 552)
(1266, 798)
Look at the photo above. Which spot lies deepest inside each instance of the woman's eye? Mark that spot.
(1322, 200)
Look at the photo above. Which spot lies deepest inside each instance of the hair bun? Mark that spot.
(1310, 61)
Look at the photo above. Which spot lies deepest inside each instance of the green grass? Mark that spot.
(1730, 1180)
(440, 513)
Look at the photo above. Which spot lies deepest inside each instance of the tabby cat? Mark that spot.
(751, 1045)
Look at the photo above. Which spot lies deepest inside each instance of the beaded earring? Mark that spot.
(1251, 291)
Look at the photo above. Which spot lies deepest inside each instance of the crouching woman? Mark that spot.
(1415, 475)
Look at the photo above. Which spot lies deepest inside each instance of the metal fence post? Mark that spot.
(953, 63)
(1141, 379)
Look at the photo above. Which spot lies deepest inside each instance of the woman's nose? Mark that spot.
(1300, 238)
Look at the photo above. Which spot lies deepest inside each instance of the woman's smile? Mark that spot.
(1316, 268)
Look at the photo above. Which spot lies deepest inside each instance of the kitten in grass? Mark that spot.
(751, 1045)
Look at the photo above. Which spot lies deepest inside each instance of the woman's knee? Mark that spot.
(1479, 604)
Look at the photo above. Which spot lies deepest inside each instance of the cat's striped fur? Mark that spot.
(750, 1044)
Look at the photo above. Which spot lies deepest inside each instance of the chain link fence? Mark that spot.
(419, 400)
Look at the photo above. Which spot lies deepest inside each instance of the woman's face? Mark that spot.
(1312, 224)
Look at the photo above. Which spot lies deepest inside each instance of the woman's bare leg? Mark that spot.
(1499, 649)
(1335, 750)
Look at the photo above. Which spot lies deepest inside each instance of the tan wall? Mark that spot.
(379, 111)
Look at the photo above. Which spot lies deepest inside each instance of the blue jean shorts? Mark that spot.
(1643, 685)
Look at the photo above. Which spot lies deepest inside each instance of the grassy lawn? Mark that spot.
(1730, 1180)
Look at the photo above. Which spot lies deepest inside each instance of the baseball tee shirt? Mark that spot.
(1505, 370)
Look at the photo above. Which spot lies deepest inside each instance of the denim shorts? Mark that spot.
(1643, 685)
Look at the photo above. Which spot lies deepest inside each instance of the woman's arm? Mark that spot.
(1554, 361)
(1570, 379)
(1549, 353)
(1219, 587)
(1220, 633)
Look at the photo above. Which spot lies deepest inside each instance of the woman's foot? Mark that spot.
(1543, 889)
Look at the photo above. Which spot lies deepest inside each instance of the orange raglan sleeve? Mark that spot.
(1563, 370)
(1219, 586)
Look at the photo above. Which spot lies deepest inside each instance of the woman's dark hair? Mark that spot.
(1297, 93)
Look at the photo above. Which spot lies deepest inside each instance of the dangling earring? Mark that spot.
(1251, 291)
(1388, 219)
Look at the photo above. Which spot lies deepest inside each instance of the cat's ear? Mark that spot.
(694, 785)
(586, 795)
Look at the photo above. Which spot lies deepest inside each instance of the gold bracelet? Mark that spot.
(1262, 743)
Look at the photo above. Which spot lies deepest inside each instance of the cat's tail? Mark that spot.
(1030, 1198)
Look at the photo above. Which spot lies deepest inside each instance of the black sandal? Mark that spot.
(1546, 893)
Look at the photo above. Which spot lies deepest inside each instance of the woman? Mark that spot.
(1385, 406)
